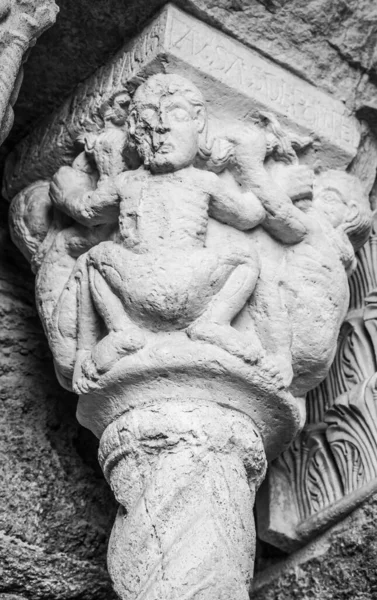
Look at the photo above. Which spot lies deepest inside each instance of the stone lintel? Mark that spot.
(236, 82)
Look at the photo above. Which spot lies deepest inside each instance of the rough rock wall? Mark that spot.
(56, 510)
(341, 565)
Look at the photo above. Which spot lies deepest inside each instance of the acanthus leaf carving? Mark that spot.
(343, 411)
(352, 434)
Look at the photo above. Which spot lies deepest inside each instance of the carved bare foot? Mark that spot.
(83, 384)
(271, 368)
(104, 356)
(227, 338)
(116, 345)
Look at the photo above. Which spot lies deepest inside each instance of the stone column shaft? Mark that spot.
(185, 474)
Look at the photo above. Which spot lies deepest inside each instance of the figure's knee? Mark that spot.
(96, 257)
(249, 265)
(107, 257)
(79, 269)
(238, 256)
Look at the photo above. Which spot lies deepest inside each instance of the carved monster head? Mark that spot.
(341, 197)
(168, 122)
(109, 144)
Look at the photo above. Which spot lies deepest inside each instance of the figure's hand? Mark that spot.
(250, 146)
(61, 181)
(69, 191)
(295, 180)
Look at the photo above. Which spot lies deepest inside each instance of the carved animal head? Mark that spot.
(168, 122)
(342, 198)
(106, 139)
(109, 150)
(115, 109)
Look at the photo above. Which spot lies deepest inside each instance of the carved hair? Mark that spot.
(164, 85)
(281, 144)
(109, 109)
(358, 220)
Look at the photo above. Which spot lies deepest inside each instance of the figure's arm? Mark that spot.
(229, 205)
(283, 219)
(72, 192)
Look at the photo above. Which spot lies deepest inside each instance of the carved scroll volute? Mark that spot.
(170, 285)
(21, 23)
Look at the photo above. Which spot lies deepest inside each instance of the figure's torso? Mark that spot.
(165, 210)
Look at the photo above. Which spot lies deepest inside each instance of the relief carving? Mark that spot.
(178, 277)
(241, 83)
(332, 465)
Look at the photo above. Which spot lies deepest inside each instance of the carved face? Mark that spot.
(166, 127)
(343, 200)
(332, 202)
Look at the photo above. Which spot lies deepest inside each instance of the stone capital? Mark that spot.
(192, 228)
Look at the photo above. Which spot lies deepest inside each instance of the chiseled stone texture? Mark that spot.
(55, 508)
(346, 570)
(332, 45)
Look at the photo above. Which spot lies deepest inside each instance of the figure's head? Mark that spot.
(114, 109)
(107, 148)
(341, 197)
(168, 122)
(106, 142)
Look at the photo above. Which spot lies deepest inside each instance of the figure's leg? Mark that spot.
(87, 328)
(123, 335)
(214, 325)
(67, 330)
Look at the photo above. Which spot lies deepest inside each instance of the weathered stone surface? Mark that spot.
(55, 507)
(243, 85)
(21, 23)
(332, 466)
(331, 46)
(342, 565)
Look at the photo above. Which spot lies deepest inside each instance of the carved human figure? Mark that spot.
(339, 222)
(54, 242)
(159, 275)
(307, 283)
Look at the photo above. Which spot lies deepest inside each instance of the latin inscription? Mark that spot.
(241, 68)
(265, 86)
